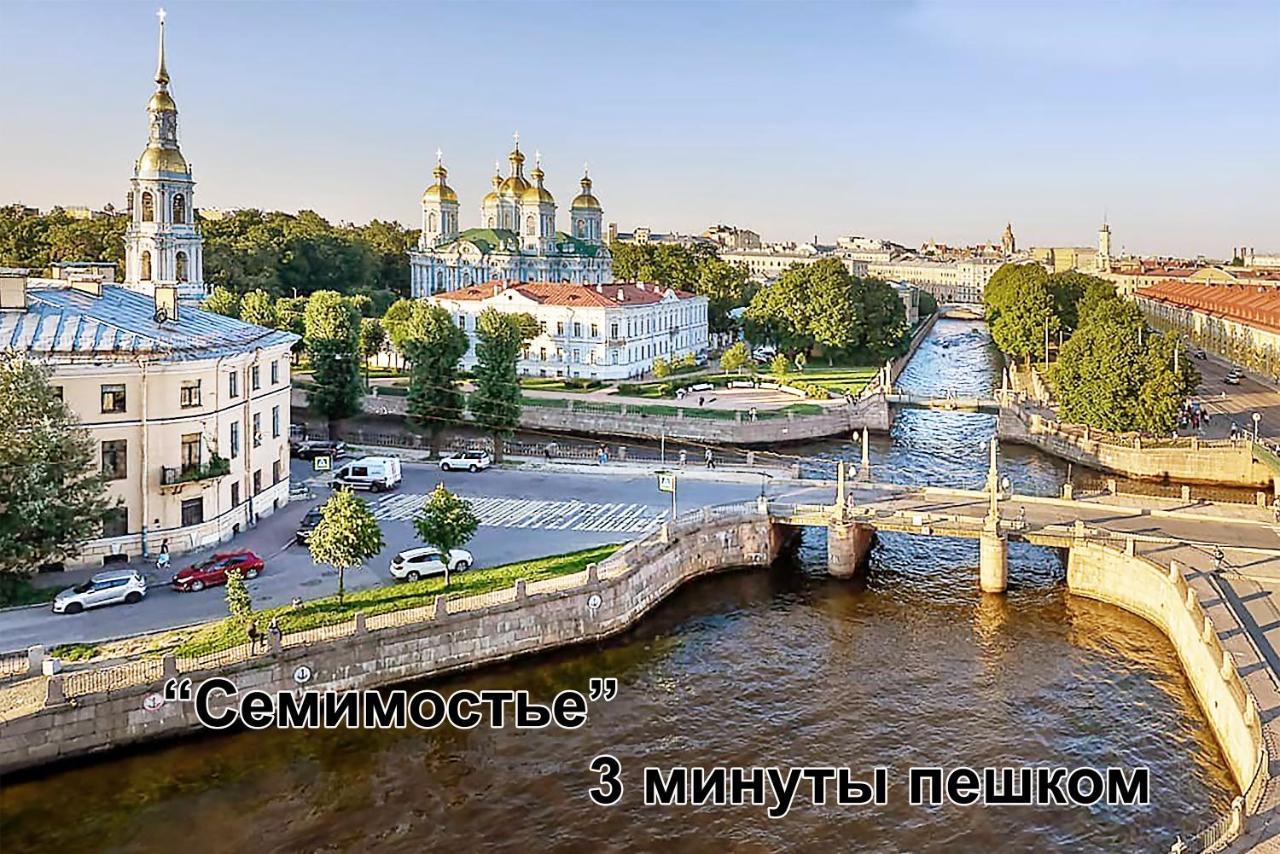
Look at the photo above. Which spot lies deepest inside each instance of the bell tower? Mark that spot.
(163, 246)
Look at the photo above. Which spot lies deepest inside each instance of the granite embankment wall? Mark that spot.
(1163, 597)
(871, 412)
(1190, 460)
(606, 599)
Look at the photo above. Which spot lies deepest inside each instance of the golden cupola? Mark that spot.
(515, 185)
(491, 197)
(585, 200)
(161, 153)
(439, 191)
(537, 194)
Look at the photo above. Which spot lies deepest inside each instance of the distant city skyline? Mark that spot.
(915, 122)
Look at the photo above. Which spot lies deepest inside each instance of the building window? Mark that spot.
(145, 273)
(542, 354)
(255, 378)
(180, 267)
(257, 429)
(577, 330)
(275, 422)
(115, 459)
(113, 398)
(190, 452)
(613, 331)
(257, 481)
(233, 384)
(275, 372)
(179, 209)
(148, 208)
(192, 511)
(275, 471)
(595, 330)
(235, 493)
(560, 327)
(235, 439)
(431, 222)
(189, 394)
(528, 226)
(115, 522)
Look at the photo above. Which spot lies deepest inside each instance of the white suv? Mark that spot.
(466, 461)
(412, 564)
(104, 588)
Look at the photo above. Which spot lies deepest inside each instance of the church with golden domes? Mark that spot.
(517, 238)
(162, 243)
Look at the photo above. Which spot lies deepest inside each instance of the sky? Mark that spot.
(910, 121)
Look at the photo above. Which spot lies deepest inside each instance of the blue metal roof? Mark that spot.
(62, 320)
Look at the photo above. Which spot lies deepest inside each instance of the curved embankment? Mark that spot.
(113, 711)
(1163, 596)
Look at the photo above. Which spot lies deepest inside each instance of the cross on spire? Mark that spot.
(439, 157)
(516, 137)
(162, 75)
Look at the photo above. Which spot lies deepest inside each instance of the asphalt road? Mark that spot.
(1236, 403)
(524, 514)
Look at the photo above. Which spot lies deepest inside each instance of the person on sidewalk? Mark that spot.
(254, 636)
(273, 629)
(162, 560)
(684, 457)
(710, 459)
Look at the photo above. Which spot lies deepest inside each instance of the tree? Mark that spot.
(346, 537)
(258, 308)
(1019, 307)
(398, 314)
(884, 320)
(332, 335)
(222, 301)
(432, 343)
(52, 490)
(735, 357)
(726, 287)
(928, 304)
(239, 602)
(1096, 292)
(373, 339)
(445, 521)
(661, 368)
(780, 365)
(495, 403)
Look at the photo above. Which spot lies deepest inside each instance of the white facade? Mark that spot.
(947, 281)
(605, 331)
(517, 239)
(162, 243)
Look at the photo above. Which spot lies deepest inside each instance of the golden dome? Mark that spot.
(515, 185)
(441, 192)
(537, 195)
(156, 159)
(161, 102)
(586, 201)
(490, 198)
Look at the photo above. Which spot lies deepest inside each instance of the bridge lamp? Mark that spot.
(1256, 419)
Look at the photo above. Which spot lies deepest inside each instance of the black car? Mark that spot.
(312, 448)
(307, 525)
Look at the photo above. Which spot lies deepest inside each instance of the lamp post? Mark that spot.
(1256, 419)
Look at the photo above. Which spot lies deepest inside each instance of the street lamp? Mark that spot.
(1256, 419)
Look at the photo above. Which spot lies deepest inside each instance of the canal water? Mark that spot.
(784, 666)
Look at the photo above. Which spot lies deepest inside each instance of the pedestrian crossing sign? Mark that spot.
(322, 463)
(666, 481)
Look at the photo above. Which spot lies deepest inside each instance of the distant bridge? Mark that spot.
(949, 402)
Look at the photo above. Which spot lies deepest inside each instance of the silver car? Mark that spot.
(105, 588)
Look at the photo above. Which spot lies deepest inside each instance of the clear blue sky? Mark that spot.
(909, 121)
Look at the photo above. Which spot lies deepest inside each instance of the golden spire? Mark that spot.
(440, 172)
(162, 74)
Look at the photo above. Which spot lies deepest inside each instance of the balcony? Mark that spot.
(615, 342)
(216, 467)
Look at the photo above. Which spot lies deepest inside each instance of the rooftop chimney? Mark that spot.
(91, 285)
(13, 289)
(622, 295)
(166, 303)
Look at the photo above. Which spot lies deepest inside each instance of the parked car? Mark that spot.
(104, 588)
(466, 461)
(309, 449)
(1234, 376)
(1200, 354)
(372, 473)
(412, 564)
(307, 525)
(213, 571)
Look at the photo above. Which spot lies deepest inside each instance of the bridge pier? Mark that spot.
(848, 545)
(993, 562)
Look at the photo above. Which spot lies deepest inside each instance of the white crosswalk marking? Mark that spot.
(535, 513)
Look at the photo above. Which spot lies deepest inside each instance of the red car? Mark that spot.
(214, 570)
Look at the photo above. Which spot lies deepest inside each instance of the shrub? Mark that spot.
(661, 368)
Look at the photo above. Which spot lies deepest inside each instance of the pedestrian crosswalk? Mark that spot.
(535, 513)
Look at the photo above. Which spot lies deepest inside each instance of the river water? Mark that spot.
(784, 666)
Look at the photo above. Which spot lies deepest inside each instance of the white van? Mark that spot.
(372, 473)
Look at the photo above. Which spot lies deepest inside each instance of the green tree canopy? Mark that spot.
(446, 522)
(432, 343)
(332, 335)
(257, 307)
(735, 357)
(1019, 306)
(239, 602)
(52, 492)
(348, 535)
(495, 403)
(222, 301)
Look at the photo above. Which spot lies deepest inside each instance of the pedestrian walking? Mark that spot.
(1022, 517)
(1218, 559)
(1275, 508)
(273, 629)
(254, 636)
(1235, 430)
(684, 457)
(701, 399)
(753, 413)
(162, 560)
(710, 459)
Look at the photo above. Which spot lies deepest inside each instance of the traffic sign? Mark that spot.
(666, 481)
(322, 463)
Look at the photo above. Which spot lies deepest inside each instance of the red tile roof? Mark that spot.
(1253, 305)
(563, 293)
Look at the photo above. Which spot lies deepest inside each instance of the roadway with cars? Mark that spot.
(524, 514)
(1229, 402)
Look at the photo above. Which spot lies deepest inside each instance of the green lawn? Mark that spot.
(230, 632)
(837, 379)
